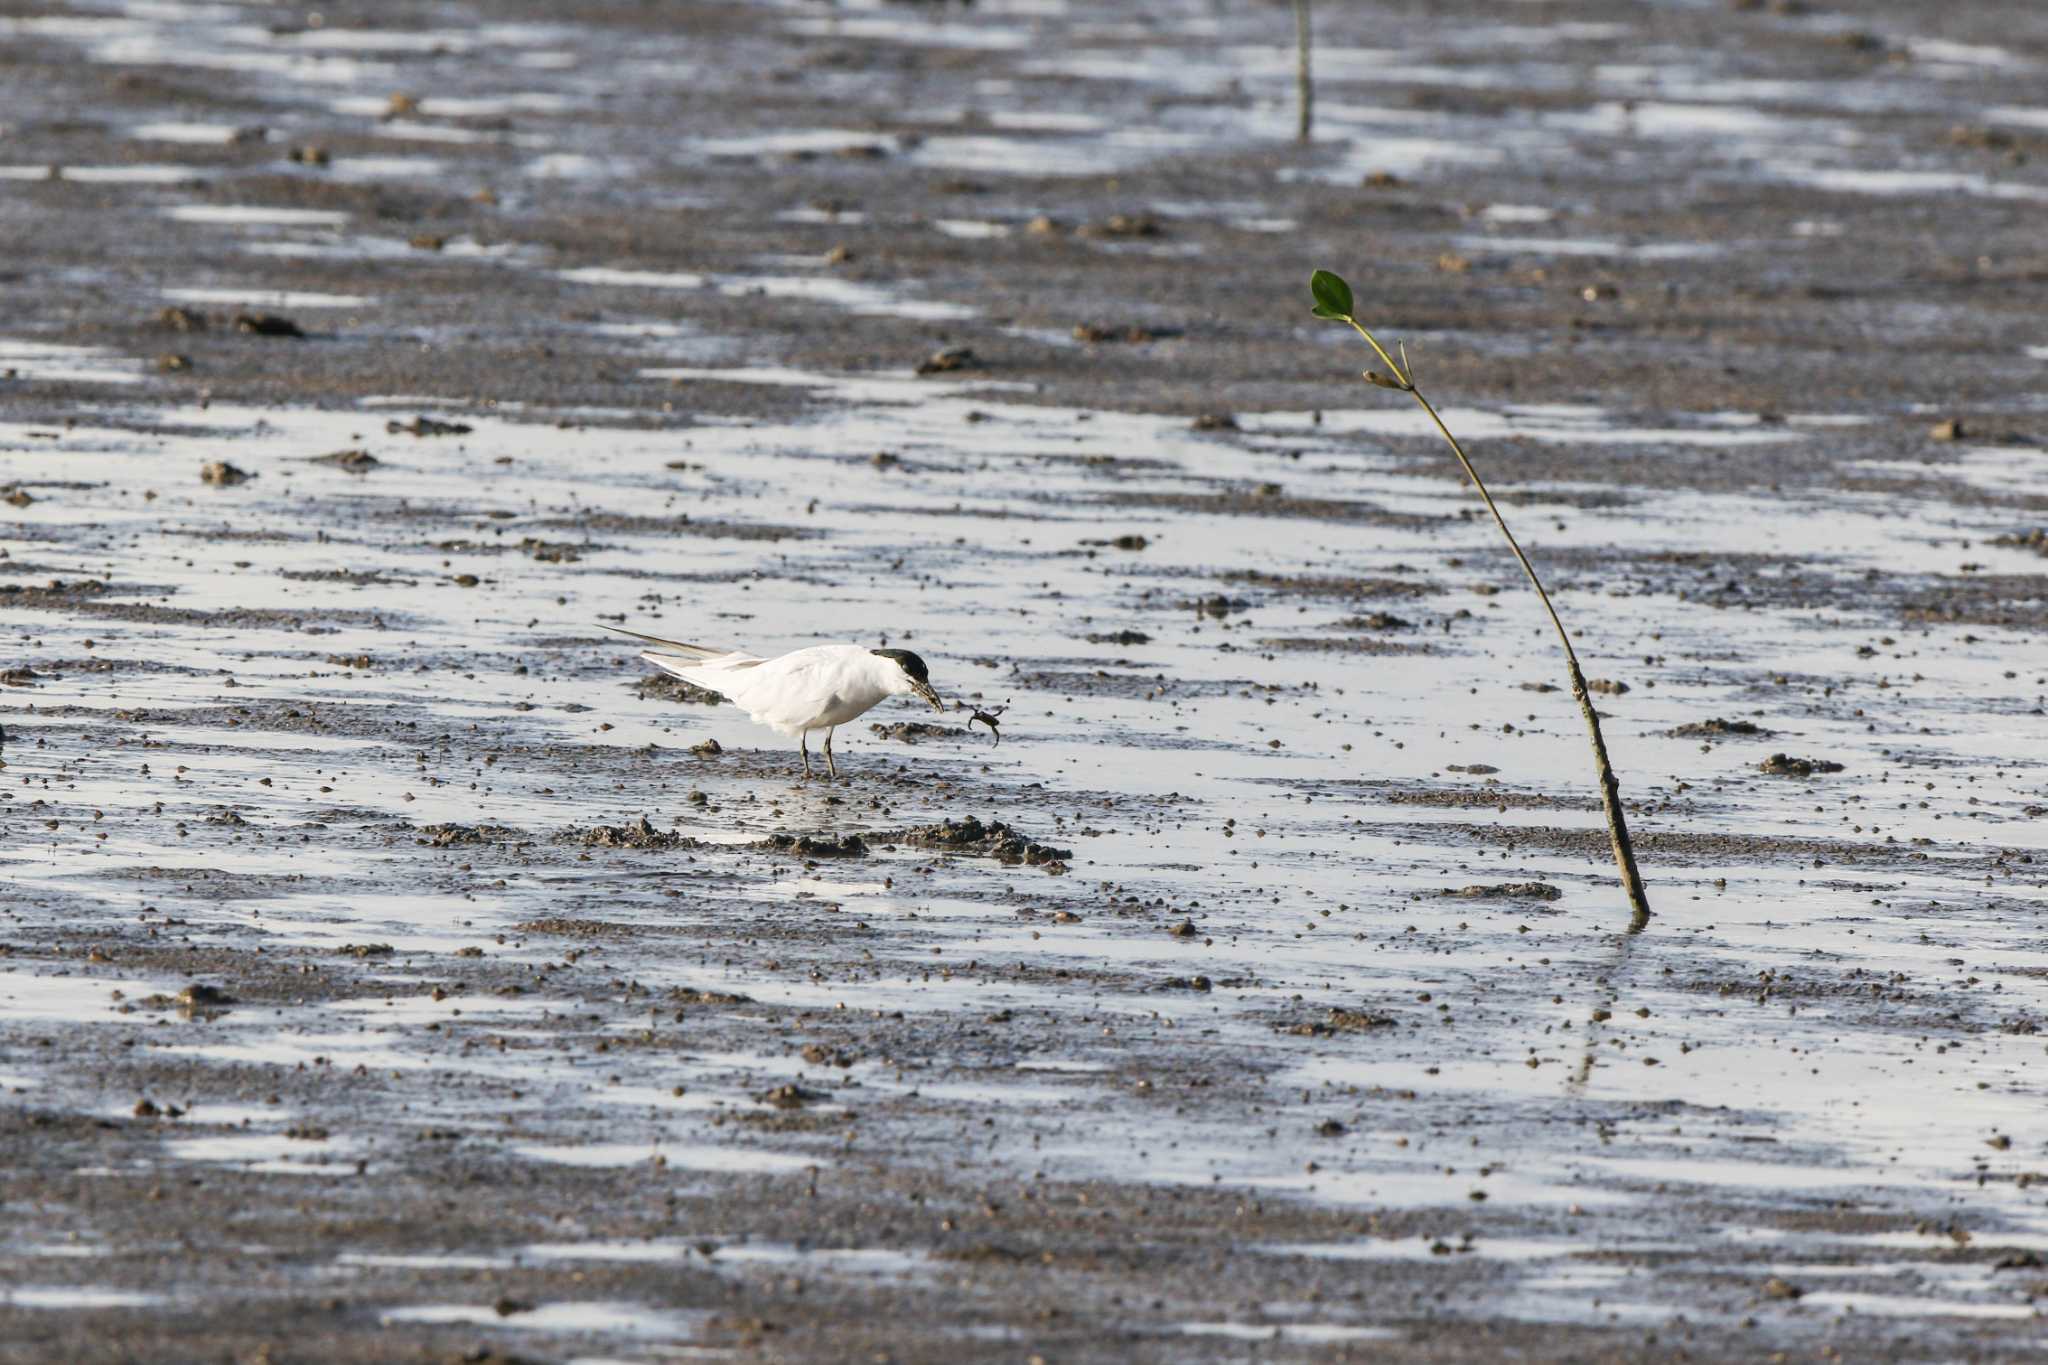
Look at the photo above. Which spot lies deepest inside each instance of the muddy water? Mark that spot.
(389, 971)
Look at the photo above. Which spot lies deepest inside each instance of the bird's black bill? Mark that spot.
(924, 690)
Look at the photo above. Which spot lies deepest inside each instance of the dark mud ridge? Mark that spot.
(1721, 729)
(911, 731)
(971, 838)
(1506, 891)
(1785, 765)
(967, 837)
(666, 687)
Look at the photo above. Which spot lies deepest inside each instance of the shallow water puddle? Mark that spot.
(673, 1156)
(271, 1153)
(106, 175)
(255, 215)
(26, 996)
(76, 1299)
(589, 1318)
(1288, 1333)
(719, 1252)
(269, 298)
(31, 360)
(203, 134)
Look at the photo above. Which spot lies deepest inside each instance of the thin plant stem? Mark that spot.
(1304, 85)
(1610, 787)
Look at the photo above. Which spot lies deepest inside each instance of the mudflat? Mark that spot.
(391, 969)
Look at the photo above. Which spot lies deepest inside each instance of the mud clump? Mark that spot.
(640, 834)
(911, 731)
(791, 1096)
(427, 426)
(689, 995)
(267, 325)
(1340, 588)
(1472, 799)
(815, 845)
(355, 578)
(994, 840)
(463, 836)
(55, 593)
(575, 928)
(951, 359)
(1785, 765)
(1506, 891)
(1342, 644)
(353, 461)
(665, 687)
(1121, 637)
(1096, 333)
(1378, 620)
(1124, 225)
(221, 474)
(1217, 605)
(551, 552)
(1340, 1021)
(1721, 729)
(1608, 687)
(2035, 540)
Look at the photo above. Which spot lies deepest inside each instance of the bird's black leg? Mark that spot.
(803, 746)
(830, 766)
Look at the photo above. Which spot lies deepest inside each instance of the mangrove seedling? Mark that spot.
(1304, 83)
(1334, 303)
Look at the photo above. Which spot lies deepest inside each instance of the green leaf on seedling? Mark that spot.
(1332, 295)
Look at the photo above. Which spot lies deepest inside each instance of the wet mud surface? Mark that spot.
(390, 971)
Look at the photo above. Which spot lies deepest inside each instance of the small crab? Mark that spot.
(991, 719)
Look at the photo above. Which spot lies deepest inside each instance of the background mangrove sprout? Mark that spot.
(1333, 302)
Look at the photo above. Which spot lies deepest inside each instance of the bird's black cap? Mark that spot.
(910, 663)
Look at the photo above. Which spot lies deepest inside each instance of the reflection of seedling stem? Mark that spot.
(1333, 302)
